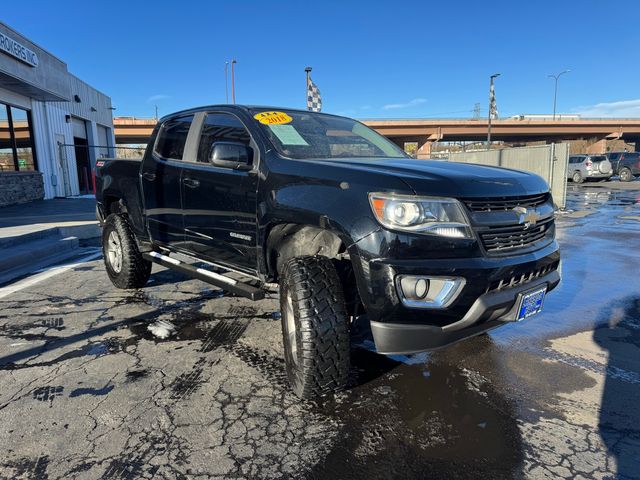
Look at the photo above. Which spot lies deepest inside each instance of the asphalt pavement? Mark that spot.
(88, 390)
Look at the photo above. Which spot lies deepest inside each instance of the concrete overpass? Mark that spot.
(425, 132)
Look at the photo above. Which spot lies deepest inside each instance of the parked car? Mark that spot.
(586, 167)
(625, 164)
(347, 224)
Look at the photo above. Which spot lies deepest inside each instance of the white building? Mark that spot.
(53, 126)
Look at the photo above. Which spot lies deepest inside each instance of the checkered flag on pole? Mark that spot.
(314, 100)
(493, 108)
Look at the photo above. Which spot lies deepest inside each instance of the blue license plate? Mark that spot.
(531, 303)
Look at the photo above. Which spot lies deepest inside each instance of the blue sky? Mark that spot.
(370, 59)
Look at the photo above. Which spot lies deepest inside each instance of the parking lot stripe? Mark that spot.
(45, 274)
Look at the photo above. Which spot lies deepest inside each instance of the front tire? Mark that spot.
(124, 263)
(626, 175)
(314, 327)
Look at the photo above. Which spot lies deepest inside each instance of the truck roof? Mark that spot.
(237, 107)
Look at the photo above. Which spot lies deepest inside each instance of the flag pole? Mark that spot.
(308, 70)
(492, 104)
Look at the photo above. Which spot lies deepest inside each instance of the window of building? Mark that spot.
(221, 127)
(17, 151)
(6, 145)
(23, 139)
(172, 138)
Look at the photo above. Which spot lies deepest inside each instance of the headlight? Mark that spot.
(428, 215)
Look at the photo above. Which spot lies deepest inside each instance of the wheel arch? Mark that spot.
(125, 203)
(288, 240)
(114, 204)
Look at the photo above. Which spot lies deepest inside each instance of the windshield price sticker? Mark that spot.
(288, 135)
(273, 118)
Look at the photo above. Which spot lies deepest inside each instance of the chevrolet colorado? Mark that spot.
(342, 219)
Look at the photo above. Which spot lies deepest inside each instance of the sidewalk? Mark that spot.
(17, 220)
(46, 232)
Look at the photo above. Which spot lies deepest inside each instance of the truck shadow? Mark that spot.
(619, 414)
(424, 416)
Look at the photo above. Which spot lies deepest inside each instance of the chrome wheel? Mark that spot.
(291, 327)
(625, 175)
(114, 252)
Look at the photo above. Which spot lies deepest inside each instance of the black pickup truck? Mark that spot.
(342, 219)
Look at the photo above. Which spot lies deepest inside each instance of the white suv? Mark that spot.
(584, 167)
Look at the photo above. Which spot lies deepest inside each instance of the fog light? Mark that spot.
(421, 289)
(417, 291)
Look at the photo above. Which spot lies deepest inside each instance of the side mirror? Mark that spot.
(231, 155)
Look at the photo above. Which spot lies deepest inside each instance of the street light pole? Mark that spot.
(226, 81)
(233, 81)
(491, 102)
(555, 90)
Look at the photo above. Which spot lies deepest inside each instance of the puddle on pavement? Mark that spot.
(429, 419)
(579, 198)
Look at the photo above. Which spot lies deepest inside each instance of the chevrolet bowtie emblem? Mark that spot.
(526, 217)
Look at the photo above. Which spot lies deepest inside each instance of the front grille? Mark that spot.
(513, 237)
(505, 203)
(526, 277)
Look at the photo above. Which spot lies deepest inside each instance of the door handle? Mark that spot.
(191, 183)
(149, 176)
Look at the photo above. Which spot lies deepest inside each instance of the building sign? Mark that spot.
(15, 49)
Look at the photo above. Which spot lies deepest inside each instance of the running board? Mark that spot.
(221, 281)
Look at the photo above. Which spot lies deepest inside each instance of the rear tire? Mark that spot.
(626, 175)
(577, 177)
(124, 263)
(314, 327)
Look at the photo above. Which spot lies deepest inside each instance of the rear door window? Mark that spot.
(172, 138)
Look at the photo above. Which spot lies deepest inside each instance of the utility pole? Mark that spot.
(226, 81)
(476, 111)
(308, 70)
(492, 102)
(156, 112)
(555, 90)
(233, 81)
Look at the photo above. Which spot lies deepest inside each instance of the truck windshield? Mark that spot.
(309, 135)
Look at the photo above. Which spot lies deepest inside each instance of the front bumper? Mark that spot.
(486, 313)
(492, 288)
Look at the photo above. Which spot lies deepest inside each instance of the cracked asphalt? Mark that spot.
(88, 391)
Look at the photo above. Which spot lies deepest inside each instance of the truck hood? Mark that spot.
(427, 177)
